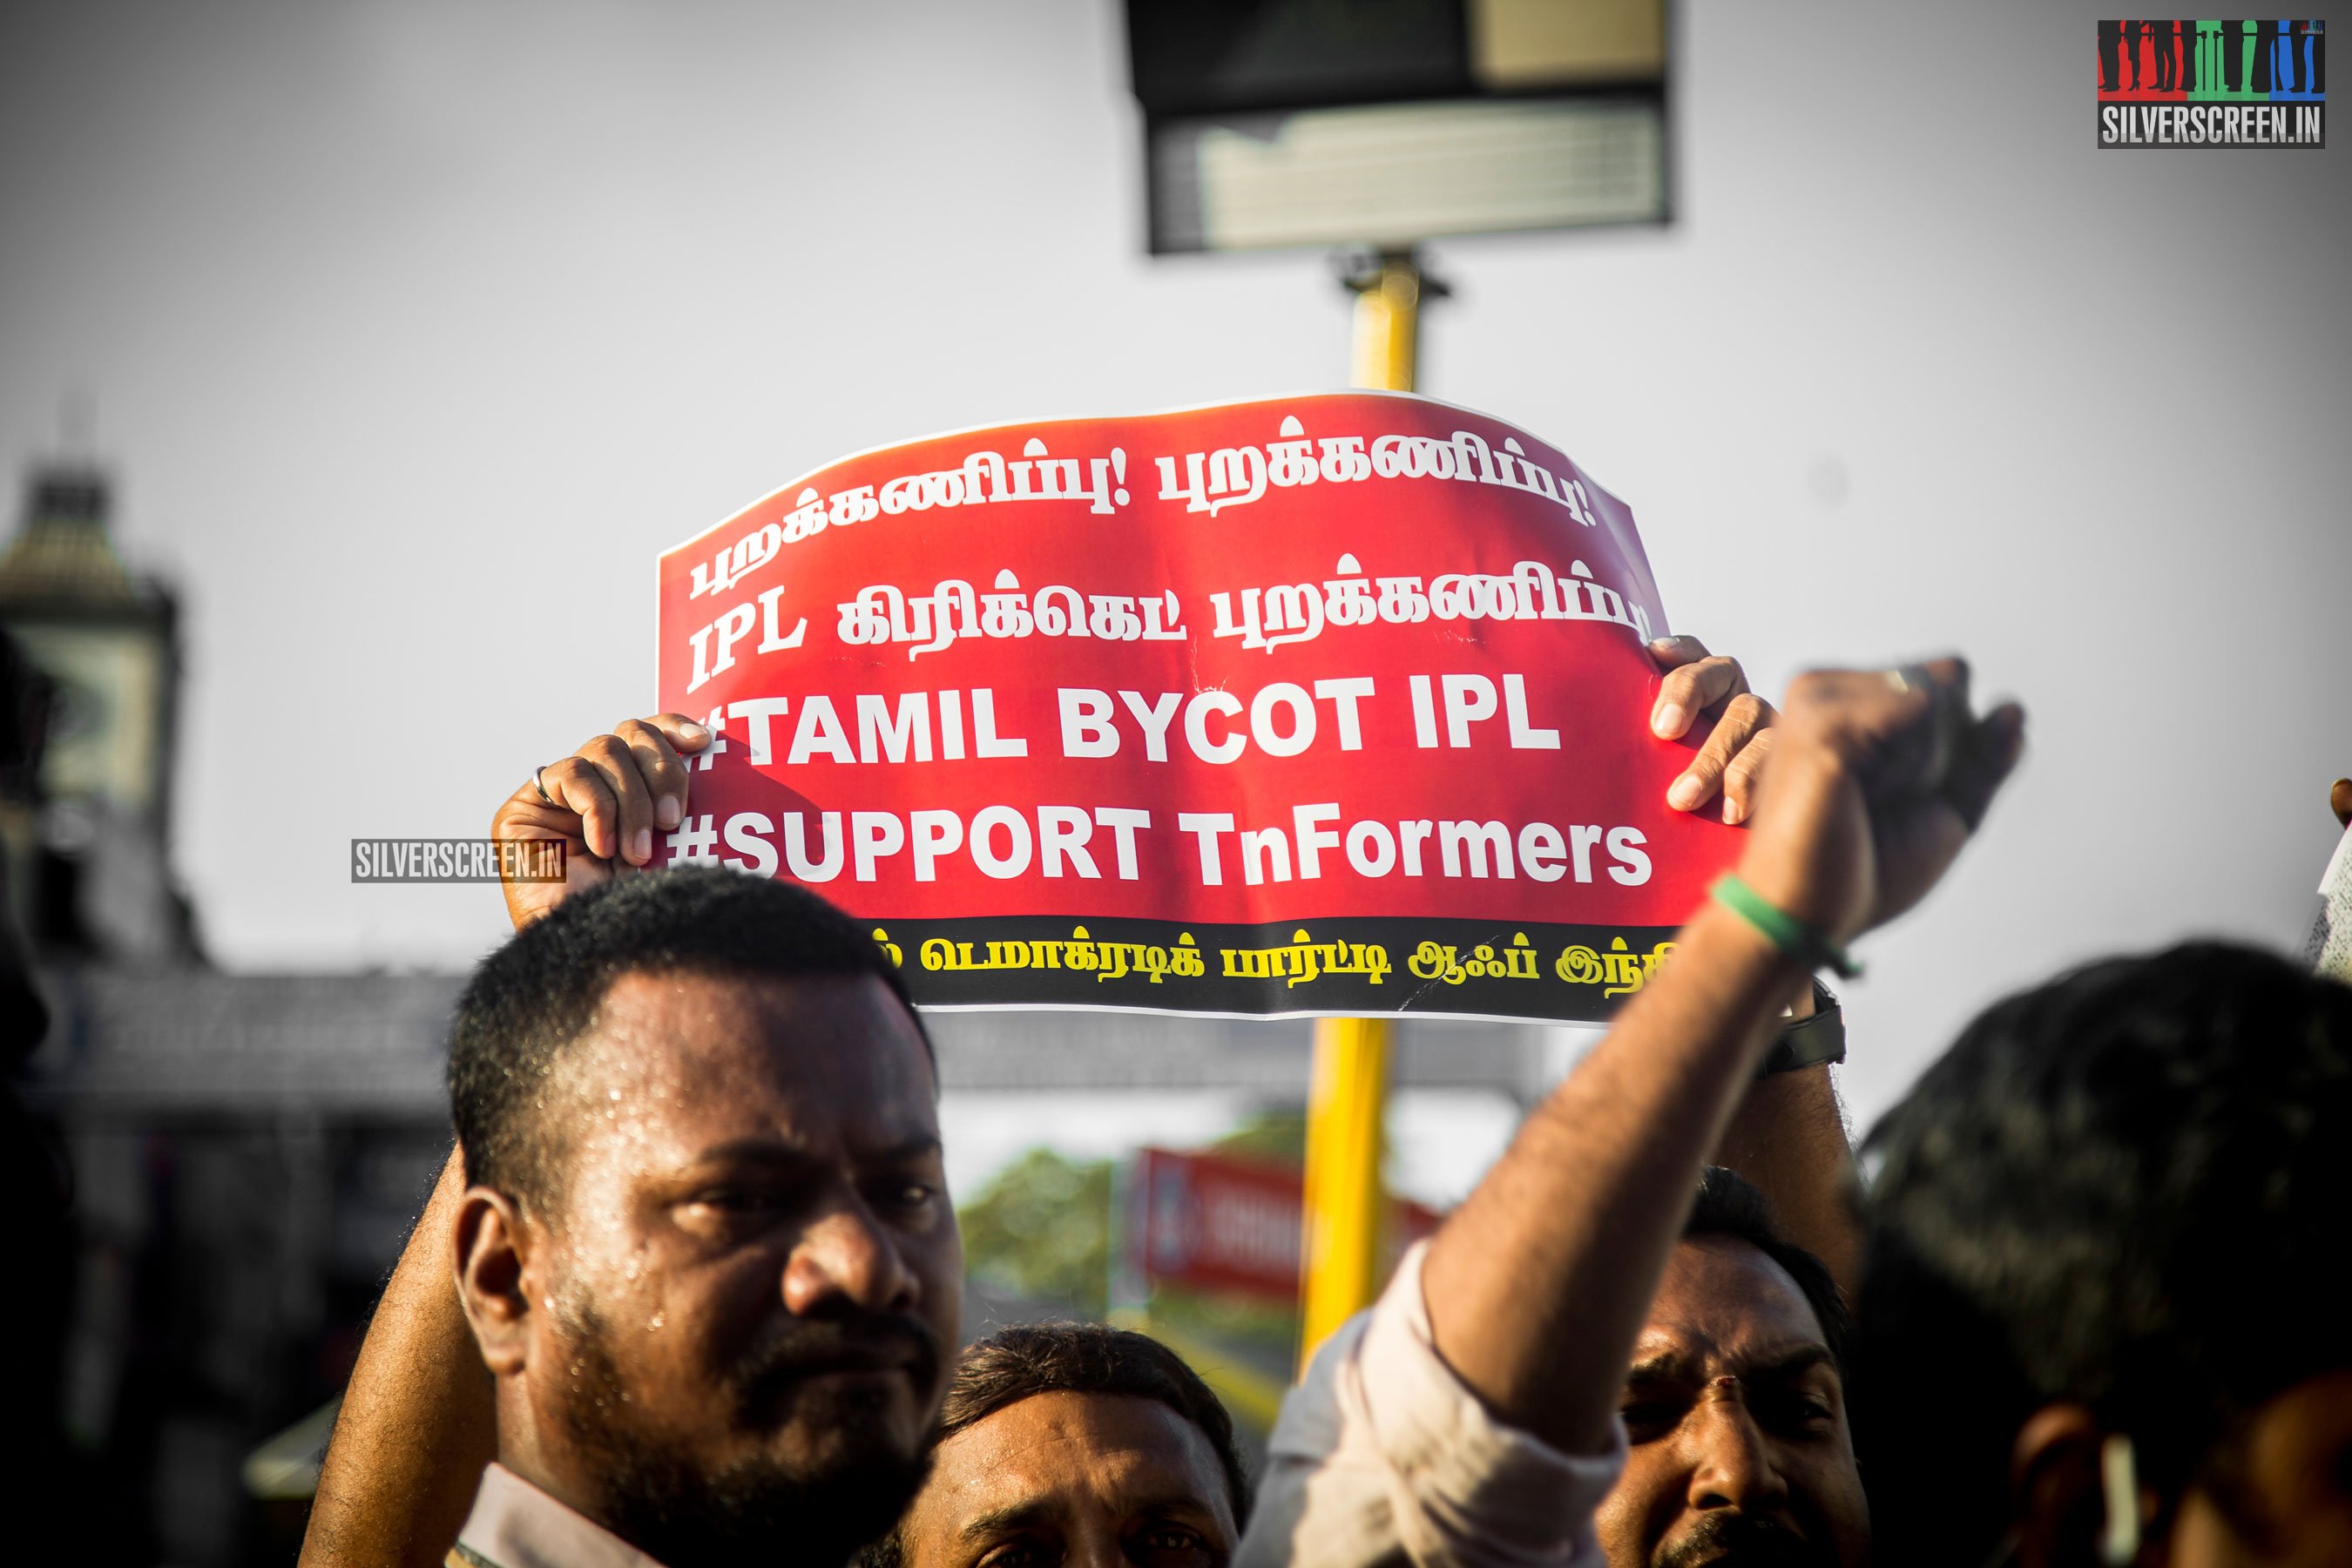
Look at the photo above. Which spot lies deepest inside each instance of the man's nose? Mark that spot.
(1094, 1542)
(1733, 1465)
(844, 1256)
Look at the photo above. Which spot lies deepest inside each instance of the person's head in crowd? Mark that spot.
(706, 1249)
(1735, 1406)
(1075, 1446)
(2103, 1316)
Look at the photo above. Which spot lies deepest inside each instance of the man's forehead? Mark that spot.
(809, 1054)
(1724, 1302)
(1122, 1448)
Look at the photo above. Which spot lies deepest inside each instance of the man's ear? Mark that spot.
(2073, 1505)
(493, 1247)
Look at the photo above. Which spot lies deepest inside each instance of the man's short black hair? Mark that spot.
(1730, 1205)
(529, 1001)
(1019, 1362)
(2124, 1190)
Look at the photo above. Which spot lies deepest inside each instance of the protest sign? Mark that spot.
(1329, 704)
(1211, 1222)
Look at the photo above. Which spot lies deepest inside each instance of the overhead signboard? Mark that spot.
(1332, 704)
(1383, 122)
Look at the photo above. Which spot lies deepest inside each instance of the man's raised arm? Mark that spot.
(417, 1423)
(1469, 1419)
(1537, 1286)
(1788, 1135)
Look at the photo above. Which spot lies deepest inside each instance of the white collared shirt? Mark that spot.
(1382, 1455)
(516, 1525)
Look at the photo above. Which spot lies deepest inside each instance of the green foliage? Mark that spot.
(1261, 1332)
(1040, 1231)
(1276, 1137)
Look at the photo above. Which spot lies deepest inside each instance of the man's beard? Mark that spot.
(1744, 1540)
(688, 1515)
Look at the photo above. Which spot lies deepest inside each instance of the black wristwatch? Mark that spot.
(1810, 1042)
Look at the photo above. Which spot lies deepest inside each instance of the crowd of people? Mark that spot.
(687, 1294)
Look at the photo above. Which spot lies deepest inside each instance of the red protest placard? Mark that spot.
(1332, 704)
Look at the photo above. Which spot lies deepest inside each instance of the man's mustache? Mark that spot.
(814, 1347)
(1744, 1540)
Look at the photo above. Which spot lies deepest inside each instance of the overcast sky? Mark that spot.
(416, 330)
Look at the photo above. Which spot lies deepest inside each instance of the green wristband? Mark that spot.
(1781, 929)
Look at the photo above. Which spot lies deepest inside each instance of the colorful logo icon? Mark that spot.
(2214, 83)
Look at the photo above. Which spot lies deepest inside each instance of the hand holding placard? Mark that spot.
(604, 803)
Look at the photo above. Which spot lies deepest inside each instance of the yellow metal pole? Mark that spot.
(1339, 1261)
(1342, 1256)
(1388, 325)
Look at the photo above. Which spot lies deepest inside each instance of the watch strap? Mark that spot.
(1812, 1042)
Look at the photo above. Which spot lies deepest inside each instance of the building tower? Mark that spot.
(87, 827)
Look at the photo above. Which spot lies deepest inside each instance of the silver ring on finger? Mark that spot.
(541, 786)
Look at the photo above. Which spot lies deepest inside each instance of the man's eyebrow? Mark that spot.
(775, 1149)
(1671, 1366)
(1168, 1502)
(763, 1149)
(906, 1151)
(1776, 1366)
(1036, 1511)
(998, 1520)
(1792, 1364)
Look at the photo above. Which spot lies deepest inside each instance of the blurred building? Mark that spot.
(211, 1174)
(89, 831)
(203, 1228)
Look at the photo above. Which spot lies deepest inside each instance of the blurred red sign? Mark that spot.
(1210, 1222)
